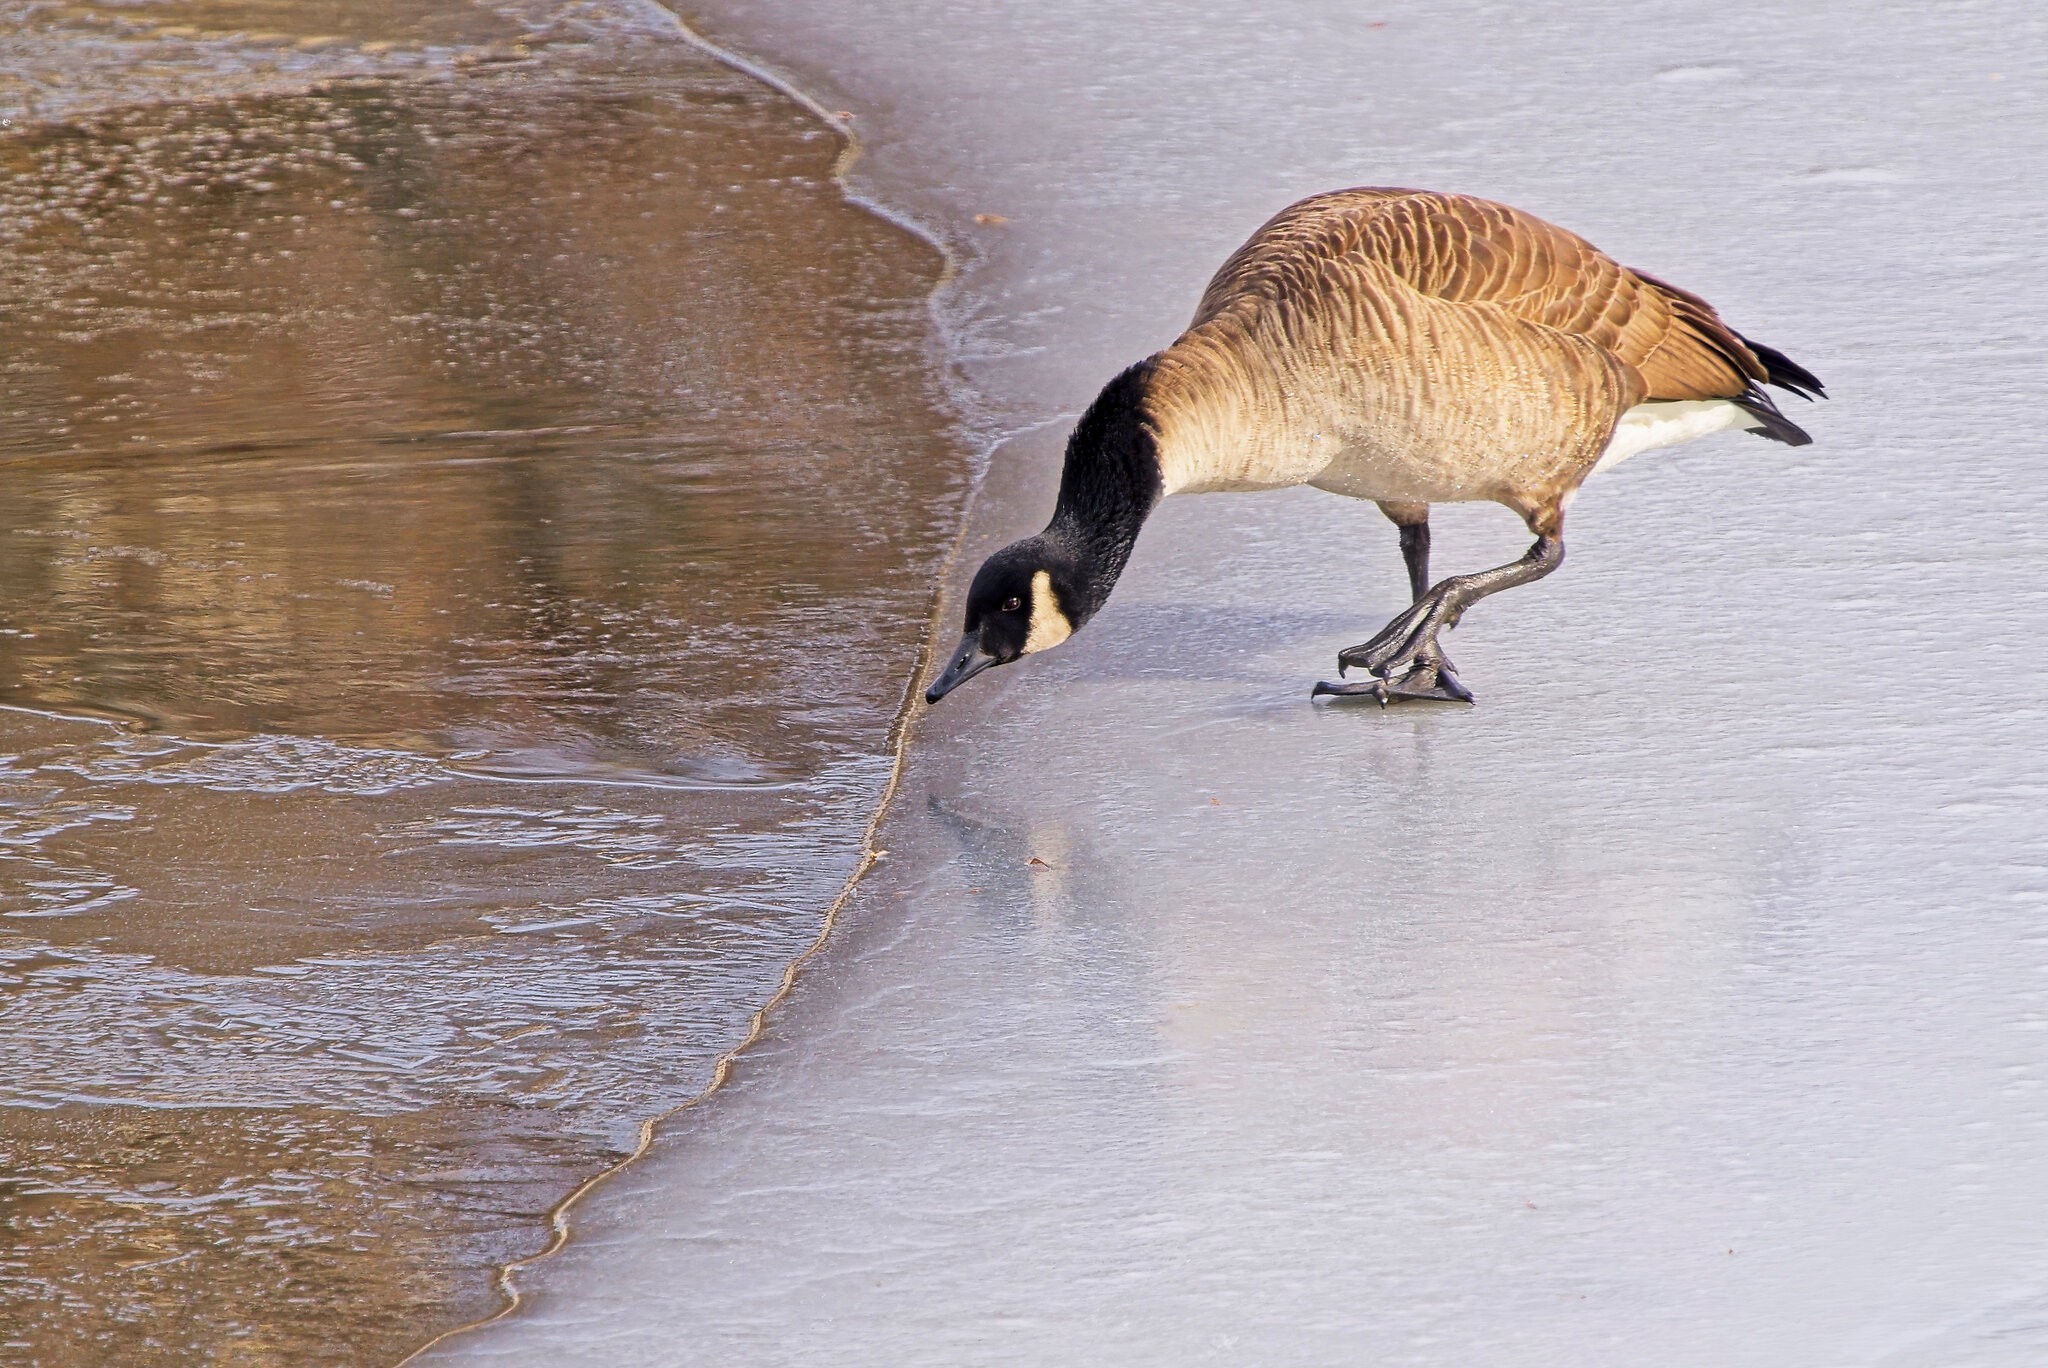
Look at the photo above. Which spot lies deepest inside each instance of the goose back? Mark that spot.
(1415, 346)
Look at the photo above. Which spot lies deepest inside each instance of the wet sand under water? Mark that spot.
(468, 521)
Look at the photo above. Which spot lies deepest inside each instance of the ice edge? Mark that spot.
(901, 728)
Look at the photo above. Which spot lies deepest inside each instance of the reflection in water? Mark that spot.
(491, 510)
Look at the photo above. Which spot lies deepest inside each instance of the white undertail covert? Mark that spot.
(1649, 426)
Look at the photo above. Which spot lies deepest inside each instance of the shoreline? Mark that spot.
(561, 1217)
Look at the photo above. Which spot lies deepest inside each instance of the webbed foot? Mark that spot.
(1404, 644)
(1428, 679)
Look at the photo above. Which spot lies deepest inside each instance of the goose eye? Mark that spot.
(1012, 604)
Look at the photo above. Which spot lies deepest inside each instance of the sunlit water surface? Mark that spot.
(472, 492)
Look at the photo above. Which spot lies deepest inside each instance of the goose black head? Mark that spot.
(1036, 593)
(1022, 601)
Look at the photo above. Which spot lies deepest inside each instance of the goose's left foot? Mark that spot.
(1407, 645)
(1431, 678)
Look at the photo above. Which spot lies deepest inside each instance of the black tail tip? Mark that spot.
(1787, 374)
(1770, 422)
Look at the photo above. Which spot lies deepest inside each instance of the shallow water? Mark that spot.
(474, 487)
(1684, 1003)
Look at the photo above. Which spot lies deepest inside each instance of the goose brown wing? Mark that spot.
(1493, 258)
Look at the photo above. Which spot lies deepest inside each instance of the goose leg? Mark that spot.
(1408, 644)
(1436, 677)
(1413, 521)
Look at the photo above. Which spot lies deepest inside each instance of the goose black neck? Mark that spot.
(1109, 486)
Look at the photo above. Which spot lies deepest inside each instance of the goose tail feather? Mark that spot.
(1782, 371)
(1769, 421)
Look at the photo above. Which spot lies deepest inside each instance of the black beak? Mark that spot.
(968, 660)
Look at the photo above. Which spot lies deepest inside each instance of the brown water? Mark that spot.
(472, 492)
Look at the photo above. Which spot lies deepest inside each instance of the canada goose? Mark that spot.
(1402, 346)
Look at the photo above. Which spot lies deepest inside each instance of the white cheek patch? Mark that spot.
(1049, 626)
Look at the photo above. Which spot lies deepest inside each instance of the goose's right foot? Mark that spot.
(1432, 678)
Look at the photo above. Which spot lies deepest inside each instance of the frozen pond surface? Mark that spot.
(1685, 1003)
